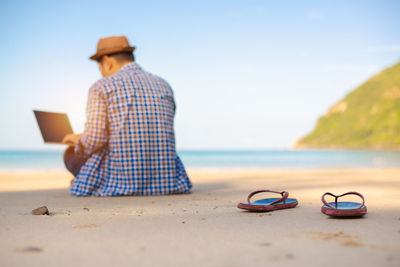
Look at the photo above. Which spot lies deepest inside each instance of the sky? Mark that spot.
(246, 74)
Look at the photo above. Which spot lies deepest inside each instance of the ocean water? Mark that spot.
(44, 160)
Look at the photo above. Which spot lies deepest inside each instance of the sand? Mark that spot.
(203, 228)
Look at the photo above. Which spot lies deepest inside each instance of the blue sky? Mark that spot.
(246, 74)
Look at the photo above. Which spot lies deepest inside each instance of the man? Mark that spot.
(128, 145)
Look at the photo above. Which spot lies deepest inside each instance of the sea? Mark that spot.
(31, 160)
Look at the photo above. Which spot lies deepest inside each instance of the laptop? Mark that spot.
(53, 126)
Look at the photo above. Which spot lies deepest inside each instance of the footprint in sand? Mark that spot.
(82, 226)
(29, 249)
(68, 213)
(342, 238)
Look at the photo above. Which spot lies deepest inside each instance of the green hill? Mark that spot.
(367, 118)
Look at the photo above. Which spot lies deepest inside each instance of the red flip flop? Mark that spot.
(268, 204)
(343, 209)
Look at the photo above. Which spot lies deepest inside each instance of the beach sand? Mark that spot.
(203, 228)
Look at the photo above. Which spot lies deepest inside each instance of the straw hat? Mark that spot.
(111, 45)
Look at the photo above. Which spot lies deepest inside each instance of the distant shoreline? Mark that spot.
(209, 169)
(301, 147)
(25, 161)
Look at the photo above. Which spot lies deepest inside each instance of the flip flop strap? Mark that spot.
(282, 199)
(336, 198)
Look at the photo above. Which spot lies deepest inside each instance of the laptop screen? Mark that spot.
(53, 126)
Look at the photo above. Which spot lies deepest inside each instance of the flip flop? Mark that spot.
(268, 204)
(343, 209)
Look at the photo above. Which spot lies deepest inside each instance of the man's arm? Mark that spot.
(95, 135)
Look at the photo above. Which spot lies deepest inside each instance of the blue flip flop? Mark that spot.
(343, 209)
(268, 204)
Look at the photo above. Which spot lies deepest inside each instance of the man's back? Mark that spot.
(129, 137)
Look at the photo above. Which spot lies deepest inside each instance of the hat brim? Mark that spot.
(109, 51)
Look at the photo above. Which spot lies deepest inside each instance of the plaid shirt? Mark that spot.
(129, 138)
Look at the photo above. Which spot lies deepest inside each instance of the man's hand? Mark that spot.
(71, 139)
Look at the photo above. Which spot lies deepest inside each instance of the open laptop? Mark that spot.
(53, 126)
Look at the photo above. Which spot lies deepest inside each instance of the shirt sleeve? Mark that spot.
(95, 135)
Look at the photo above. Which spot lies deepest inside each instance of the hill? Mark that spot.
(367, 118)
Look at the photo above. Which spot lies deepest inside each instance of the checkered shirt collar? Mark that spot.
(130, 66)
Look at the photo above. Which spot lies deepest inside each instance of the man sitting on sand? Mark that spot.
(128, 145)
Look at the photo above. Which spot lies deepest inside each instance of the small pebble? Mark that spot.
(87, 209)
(41, 211)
